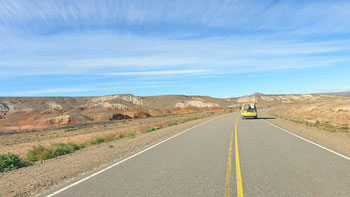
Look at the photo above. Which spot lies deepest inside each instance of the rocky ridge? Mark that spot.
(69, 110)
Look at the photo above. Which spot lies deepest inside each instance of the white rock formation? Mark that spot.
(196, 103)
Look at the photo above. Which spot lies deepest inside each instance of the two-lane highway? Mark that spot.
(203, 162)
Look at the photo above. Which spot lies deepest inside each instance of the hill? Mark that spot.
(15, 111)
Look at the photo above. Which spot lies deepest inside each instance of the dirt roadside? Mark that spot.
(43, 176)
(338, 141)
(20, 142)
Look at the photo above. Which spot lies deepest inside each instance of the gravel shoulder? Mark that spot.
(338, 141)
(44, 176)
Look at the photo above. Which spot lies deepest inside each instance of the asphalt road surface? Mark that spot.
(215, 159)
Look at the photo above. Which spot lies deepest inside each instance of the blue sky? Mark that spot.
(200, 47)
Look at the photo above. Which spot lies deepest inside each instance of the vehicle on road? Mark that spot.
(248, 110)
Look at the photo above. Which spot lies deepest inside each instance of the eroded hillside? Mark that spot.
(39, 112)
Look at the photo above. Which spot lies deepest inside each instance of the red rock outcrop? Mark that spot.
(181, 110)
(49, 112)
(217, 109)
(141, 114)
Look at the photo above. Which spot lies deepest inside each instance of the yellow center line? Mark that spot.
(229, 169)
(238, 166)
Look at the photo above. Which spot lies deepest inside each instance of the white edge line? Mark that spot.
(134, 155)
(345, 157)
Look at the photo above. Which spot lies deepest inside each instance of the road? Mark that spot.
(203, 161)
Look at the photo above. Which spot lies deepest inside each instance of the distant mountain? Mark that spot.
(344, 94)
(280, 98)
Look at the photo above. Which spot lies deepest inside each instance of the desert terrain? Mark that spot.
(31, 121)
(125, 124)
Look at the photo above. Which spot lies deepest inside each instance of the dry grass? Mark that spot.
(324, 125)
(20, 143)
(336, 112)
(40, 152)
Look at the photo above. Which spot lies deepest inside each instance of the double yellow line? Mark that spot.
(229, 167)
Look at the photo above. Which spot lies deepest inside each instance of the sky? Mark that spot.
(219, 48)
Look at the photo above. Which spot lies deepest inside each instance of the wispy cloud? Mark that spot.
(160, 40)
(127, 54)
(306, 17)
(79, 90)
(57, 91)
(163, 72)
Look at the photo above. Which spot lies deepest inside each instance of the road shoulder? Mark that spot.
(337, 141)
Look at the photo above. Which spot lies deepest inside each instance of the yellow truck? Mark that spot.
(248, 110)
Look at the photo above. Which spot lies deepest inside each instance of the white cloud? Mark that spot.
(57, 91)
(163, 72)
(125, 40)
(83, 54)
(86, 38)
(78, 90)
(306, 17)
